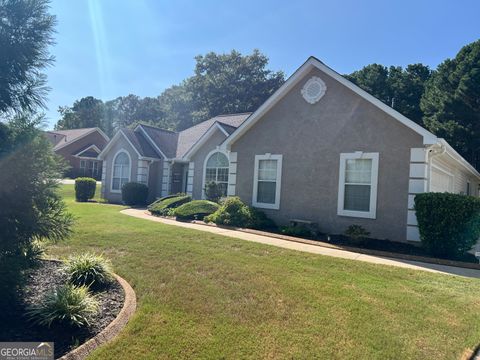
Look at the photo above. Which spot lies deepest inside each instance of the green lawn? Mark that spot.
(206, 296)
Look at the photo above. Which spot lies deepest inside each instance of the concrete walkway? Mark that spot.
(72, 182)
(314, 249)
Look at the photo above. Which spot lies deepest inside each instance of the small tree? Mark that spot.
(213, 191)
(85, 188)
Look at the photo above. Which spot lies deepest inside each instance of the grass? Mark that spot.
(205, 296)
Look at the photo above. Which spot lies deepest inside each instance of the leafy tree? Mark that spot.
(85, 113)
(26, 30)
(451, 102)
(399, 88)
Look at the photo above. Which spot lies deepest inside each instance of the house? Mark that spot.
(319, 149)
(80, 148)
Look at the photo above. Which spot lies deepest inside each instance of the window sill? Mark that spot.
(266, 206)
(357, 214)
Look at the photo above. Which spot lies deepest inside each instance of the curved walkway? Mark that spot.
(314, 249)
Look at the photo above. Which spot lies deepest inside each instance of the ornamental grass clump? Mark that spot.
(88, 269)
(68, 305)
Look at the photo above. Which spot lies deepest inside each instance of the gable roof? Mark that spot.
(137, 141)
(188, 137)
(311, 63)
(62, 138)
(90, 151)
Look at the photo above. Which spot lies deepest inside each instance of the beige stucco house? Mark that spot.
(319, 149)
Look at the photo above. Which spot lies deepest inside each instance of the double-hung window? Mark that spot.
(121, 171)
(267, 181)
(357, 189)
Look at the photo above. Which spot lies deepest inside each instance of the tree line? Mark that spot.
(446, 100)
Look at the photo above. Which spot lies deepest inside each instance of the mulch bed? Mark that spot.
(41, 279)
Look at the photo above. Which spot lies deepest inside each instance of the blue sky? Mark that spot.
(111, 48)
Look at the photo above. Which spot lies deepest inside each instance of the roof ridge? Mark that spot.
(233, 114)
(159, 128)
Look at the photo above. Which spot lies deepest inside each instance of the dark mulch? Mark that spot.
(41, 279)
(389, 246)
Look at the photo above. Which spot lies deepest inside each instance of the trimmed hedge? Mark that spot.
(449, 224)
(85, 188)
(233, 212)
(134, 193)
(162, 207)
(196, 210)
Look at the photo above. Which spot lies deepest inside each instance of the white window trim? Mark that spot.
(372, 214)
(113, 169)
(255, 203)
(205, 168)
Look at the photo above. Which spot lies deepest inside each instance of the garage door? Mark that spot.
(441, 181)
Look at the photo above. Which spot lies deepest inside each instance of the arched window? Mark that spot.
(121, 171)
(216, 170)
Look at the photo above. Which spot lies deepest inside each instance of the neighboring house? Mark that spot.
(319, 149)
(80, 148)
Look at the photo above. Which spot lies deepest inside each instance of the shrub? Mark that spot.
(449, 224)
(213, 191)
(66, 305)
(88, 269)
(233, 212)
(85, 188)
(134, 193)
(162, 207)
(299, 231)
(356, 233)
(196, 209)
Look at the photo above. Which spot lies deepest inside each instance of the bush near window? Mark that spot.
(134, 193)
(449, 224)
(85, 188)
(213, 191)
(196, 210)
(233, 212)
(67, 305)
(163, 207)
(88, 269)
(357, 233)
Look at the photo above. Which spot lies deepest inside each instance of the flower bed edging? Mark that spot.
(112, 330)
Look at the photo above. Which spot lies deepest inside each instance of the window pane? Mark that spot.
(121, 159)
(217, 160)
(358, 171)
(266, 192)
(116, 171)
(116, 184)
(267, 170)
(223, 188)
(222, 174)
(210, 175)
(125, 171)
(357, 197)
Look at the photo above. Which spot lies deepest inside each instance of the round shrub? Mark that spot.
(134, 193)
(163, 206)
(449, 224)
(232, 212)
(196, 210)
(66, 305)
(88, 269)
(85, 188)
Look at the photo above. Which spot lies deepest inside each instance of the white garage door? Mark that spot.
(441, 181)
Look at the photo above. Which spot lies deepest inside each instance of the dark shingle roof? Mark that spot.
(61, 137)
(140, 143)
(188, 137)
(166, 140)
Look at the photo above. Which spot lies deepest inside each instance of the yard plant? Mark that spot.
(449, 224)
(134, 193)
(85, 188)
(88, 269)
(163, 206)
(195, 210)
(68, 305)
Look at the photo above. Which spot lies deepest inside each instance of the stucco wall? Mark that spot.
(120, 144)
(311, 138)
(199, 159)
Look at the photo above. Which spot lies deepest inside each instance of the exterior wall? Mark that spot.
(198, 160)
(115, 197)
(311, 138)
(460, 175)
(155, 174)
(69, 151)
